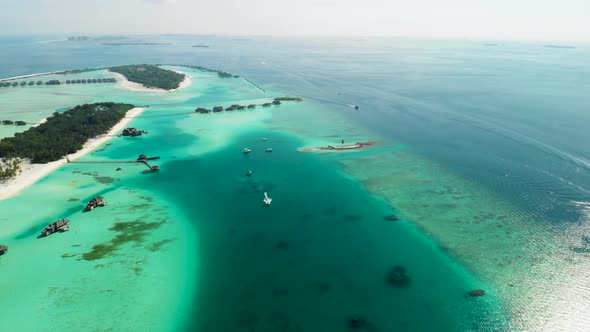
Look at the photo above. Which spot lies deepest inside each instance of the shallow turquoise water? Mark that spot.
(486, 199)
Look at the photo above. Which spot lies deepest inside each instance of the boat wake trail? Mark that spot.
(329, 101)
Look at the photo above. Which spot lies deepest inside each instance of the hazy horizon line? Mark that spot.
(317, 36)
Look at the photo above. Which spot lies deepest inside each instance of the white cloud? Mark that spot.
(160, 1)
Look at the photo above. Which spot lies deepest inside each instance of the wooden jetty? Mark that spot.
(151, 168)
(58, 226)
(95, 202)
(3, 249)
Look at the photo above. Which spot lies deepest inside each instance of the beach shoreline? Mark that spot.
(132, 86)
(31, 173)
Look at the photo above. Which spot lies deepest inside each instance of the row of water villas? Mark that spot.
(217, 109)
(57, 82)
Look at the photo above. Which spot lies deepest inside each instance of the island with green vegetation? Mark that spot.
(63, 133)
(297, 99)
(9, 168)
(150, 76)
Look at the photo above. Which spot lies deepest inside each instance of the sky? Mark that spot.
(567, 20)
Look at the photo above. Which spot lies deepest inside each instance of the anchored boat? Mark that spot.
(268, 150)
(267, 200)
(246, 150)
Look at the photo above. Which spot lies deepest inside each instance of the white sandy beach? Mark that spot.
(31, 173)
(132, 86)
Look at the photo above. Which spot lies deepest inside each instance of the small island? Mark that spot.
(63, 133)
(296, 99)
(151, 76)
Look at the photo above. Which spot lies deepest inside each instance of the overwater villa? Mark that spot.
(252, 106)
(95, 202)
(203, 110)
(58, 226)
(143, 157)
(266, 105)
(39, 82)
(133, 132)
(241, 107)
(276, 102)
(151, 169)
(3, 249)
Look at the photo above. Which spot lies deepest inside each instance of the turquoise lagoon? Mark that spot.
(193, 247)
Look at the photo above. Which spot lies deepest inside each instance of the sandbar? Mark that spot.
(355, 146)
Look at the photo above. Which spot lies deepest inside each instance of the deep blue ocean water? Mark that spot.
(511, 116)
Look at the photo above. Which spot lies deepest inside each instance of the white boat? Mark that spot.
(268, 150)
(264, 138)
(266, 199)
(246, 150)
(249, 173)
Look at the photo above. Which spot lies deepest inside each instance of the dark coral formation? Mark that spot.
(358, 323)
(392, 217)
(398, 277)
(128, 232)
(476, 293)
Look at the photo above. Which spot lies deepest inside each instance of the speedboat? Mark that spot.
(249, 173)
(264, 138)
(268, 150)
(246, 150)
(266, 199)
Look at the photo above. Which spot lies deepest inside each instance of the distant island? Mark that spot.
(134, 43)
(78, 38)
(63, 133)
(558, 46)
(201, 45)
(150, 76)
